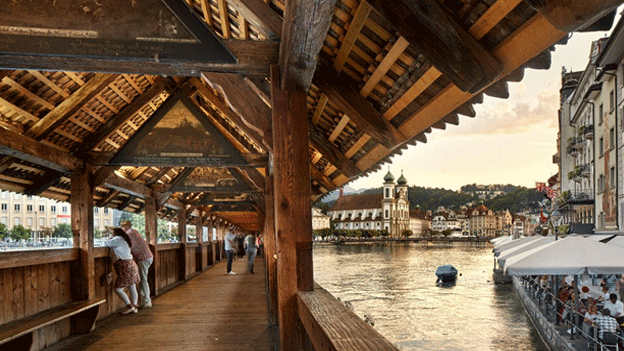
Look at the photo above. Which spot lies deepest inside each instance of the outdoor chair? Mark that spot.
(609, 341)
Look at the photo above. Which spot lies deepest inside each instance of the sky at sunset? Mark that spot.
(511, 141)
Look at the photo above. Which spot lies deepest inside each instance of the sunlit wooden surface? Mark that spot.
(212, 311)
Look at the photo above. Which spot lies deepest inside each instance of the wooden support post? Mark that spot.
(269, 245)
(83, 277)
(210, 243)
(151, 235)
(182, 274)
(199, 233)
(293, 217)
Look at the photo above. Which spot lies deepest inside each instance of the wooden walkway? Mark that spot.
(212, 311)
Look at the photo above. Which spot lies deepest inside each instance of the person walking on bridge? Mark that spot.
(251, 249)
(230, 246)
(144, 259)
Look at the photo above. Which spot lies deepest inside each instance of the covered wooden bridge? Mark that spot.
(243, 112)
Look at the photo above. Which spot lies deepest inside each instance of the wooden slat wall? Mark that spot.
(169, 267)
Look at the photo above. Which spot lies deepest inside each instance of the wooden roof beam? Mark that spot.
(156, 177)
(43, 182)
(341, 93)
(25, 148)
(254, 58)
(435, 34)
(332, 153)
(304, 29)
(254, 112)
(569, 15)
(70, 105)
(259, 14)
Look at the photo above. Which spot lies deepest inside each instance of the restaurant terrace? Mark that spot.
(230, 112)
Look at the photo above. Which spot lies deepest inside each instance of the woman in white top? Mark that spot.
(126, 269)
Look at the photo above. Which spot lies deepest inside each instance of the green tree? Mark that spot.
(3, 231)
(446, 232)
(62, 230)
(406, 233)
(19, 232)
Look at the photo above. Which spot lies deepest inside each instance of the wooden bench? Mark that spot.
(18, 334)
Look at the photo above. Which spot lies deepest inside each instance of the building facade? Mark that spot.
(386, 211)
(319, 219)
(38, 213)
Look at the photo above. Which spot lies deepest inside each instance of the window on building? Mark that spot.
(611, 101)
(17, 207)
(105, 210)
(106, 222)
(52, 222)
(16, 221)
(387, 192)
(96, 210)
(41, 208)
(387, 214)
(611, 138)
(64, 209)
(96, 223)
(42, 222)
(29, 222)
(600, 112)
(29, 208)
(5, 207)
(4, 220)
(53, 209)
(600, 147)
(612, 177)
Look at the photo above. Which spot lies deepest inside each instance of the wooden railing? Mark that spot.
(330, 325)
(33, 281)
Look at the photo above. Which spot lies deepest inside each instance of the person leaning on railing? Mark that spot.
(605, 323)
(615, 307)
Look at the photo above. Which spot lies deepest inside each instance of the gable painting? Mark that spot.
(178, 134)
(210, 179)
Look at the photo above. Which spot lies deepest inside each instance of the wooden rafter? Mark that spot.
(258, 13)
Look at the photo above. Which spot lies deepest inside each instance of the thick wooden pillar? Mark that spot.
(83, 274)
(270, 252)
(151, 235)
(199, 253)
(293, 218)
(211, 248)
(182, 235)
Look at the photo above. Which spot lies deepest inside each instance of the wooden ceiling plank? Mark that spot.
(355, 27)
(304, 30)
(156, 177)
(322, 179)
(358, 145)
(107, 199)
(318, 111)
(70, 105)
(137, 172)
(82, 124)
(43, 182)
(205, 6)
(339, 127)
(331, 153)
(342, 95)
(49, 83)
(73, 76)
(18, 110)
(121, 94)
(126, 203)
(259, 14)
(492, 17)
(15, 85)
(225, 19)
(429, 28)
(317, 157)
(133, 83)
(110, 126)
(413, 92)
(384, 66)
(68, 135)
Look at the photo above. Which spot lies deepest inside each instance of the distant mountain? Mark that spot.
(333, 195)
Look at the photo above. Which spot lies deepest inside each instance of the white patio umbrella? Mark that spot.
(501, 239)
(511, 244)
(617, 241)
(572, 255)
(505, 255)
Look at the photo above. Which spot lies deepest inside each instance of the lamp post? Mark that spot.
(555, 218)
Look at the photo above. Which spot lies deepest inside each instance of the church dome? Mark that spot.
(389, 177)
(402, 180)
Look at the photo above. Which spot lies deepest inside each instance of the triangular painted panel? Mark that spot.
(146, 30)
(178, 134)
(208, 179)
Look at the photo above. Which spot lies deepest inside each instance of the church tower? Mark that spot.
(402, 205)
(388, 203)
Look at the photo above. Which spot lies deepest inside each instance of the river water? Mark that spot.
(394, 284)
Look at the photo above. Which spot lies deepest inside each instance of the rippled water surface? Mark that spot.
(395, 285)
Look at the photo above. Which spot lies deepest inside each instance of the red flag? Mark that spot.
(540, 186)
(543, 218)
(551, 193)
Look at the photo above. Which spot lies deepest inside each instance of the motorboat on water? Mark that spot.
(446, 274)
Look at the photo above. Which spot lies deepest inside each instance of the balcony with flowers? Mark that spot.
(587, 132)
(574, 145)
(579, 172)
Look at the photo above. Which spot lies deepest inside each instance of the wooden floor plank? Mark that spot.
(212, 311)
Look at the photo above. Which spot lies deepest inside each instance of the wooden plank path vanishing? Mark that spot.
(212, 311)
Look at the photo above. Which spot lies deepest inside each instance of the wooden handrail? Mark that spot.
(165, 247)
(332, 326)
(13, 259)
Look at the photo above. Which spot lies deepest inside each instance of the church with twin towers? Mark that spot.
(388, 210)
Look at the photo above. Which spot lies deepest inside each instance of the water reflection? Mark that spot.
(395, 285)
